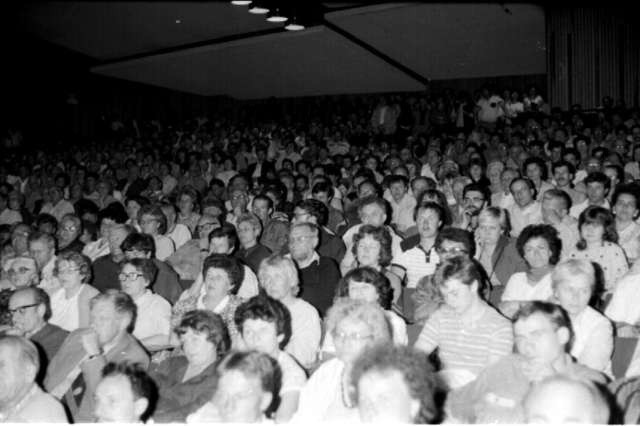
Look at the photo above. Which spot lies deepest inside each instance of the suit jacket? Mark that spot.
(506, 259)
(73, 355)
(49, 340)
(266, 166)
(87, 293)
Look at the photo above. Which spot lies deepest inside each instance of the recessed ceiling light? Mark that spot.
(277, 17)
(178, 21)
(257, 10)
(241, 2)
(294, 27)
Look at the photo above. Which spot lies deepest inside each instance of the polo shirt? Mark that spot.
(417, 263)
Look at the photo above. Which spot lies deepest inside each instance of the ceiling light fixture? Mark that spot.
(258, 10)
(241, 2)
(277, 17)
(294, 26)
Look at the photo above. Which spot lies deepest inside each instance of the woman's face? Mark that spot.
(626, 208)
(592, 233)
(132, 281)
(69, 274)
(149, 224)
(533, 172)
(217, 285)
(132, 210)
(196, 347)
(368, 251)
(359, 290)
(476, 172)
(185, 204)
(261, 335)
(537, 252)
(351, 337)
(489, 230)
(239, 398)
(574, 294)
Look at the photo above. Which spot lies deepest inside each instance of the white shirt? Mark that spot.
(293, 376)
(305, 332)
(519, 289)
(402, 212)
(623, 306)
(593, 340)
(154, 316)
(521, 218)
(164, 247)
(576, 210)
(64, 312)
(49, 282)
(414, 262)
(629, 240)
(180, 235)
(9, 217)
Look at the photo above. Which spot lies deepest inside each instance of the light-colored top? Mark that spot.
(593, 340)
(502, 200)
(37, 406)
(154, 316)
(168, 184)
(248, 287)
(402, 212)
(65, 313)
(164, 247)
(9, 217)
(414, 263)
(48, 281)
(58, 211)
(520, 218)
(305, 332)
(293, 376)
(568, 233)
(321, 398)
(96, 249)
(577, 209)
(611, 259)
(544, 187)
(180, 235)
(519, 289)
(466, 348)
(629, 240)
(623, 306)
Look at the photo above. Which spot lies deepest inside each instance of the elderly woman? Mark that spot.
(573, 285)
(222, 276)
(22, 271)
(539, 246)
(464, 317)
(495, 250)
(70, 303)
(153, 222)
(187, 382)
(278, 276)
(248, 387)
(394, 384)
(369, 285)
(372, 248)
(328, 395)
(153, 321)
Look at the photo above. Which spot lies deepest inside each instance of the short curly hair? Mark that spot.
(370, 314)
(81, 261)
(599, 216)
(230, 265)
(381, 235)
(368, 275)
(546, 232)
(416, 370)
(203, 321)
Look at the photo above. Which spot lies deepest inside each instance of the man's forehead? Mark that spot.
(532, 323)
(22, 262)
(20, 298)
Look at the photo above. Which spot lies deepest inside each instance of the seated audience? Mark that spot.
(626, 208)
(69, 233)
(314, 211)
(250, 252)
(555, 212)
(42, 247)
(525, 210)
(153, 222)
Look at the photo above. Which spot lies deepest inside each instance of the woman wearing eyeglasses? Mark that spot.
(70, 303)
(355, 326)
(153, 321)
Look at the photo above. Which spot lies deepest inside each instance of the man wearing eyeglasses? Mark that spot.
(69, 234)
(30, 310)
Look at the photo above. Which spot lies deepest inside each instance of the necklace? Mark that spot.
(346, 400)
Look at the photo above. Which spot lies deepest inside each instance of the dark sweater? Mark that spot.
(253, 256)
(318, 283)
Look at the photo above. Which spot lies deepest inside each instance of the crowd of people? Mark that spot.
(428, 259)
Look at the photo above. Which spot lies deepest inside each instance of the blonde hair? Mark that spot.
(570, 269)
(285, 266)
(359, 310)
(499, 214)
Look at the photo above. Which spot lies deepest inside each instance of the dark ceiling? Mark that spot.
(216, 48)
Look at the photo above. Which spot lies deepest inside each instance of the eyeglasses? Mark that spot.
(147, 221)
(71, 228)
(22, 309)
(351, 336)
(129, 277)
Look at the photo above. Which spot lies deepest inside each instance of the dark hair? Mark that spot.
(529, 183)
(316, 209)
(619, 171)
(122, 302)
(114, 211)
(203, 321)
(429, 205)
(381, 235)
(563, 163)
(147, 268)
(461, 268)
(46, 219)
(367, 274)
(416, 370)
(554, 313)
(559, 193)
(544, 173)
(44, 237)
(230, 265)
(259, 365)
(598, 177)
(155, 211)
(268, 309)
(227, 231)
(442, 200)
(397, 179)
(263, 197)
(139, 242)
(546, 232)
(459, 236)
(601, 216)
(138, 199)
(477, 187)
(628, 189)
(40, 297)
(323, 186)
(142, 386)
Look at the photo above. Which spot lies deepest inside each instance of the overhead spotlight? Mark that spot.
(258, 10)
(293, 25)
(277, 17)
(241, 2)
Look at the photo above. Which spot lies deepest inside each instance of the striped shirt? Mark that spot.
(467, 348)
(417, 263)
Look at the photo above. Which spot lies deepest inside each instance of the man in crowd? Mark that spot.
(69, 233)
(474, 199)
(314, 211)
(42, 247)
(563, 174)
(402, 203)
(105, 268)
(251, 252)
(555, 212)
(274, 230)
(526, 210)
(598, 186)
(75, 370)
(323, 191)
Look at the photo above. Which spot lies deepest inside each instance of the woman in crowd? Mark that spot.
(328, 395)
(496, 251)
(626, 208)
(178, 232)
(70, 303)
(133, 205)
(598, 243)
(574, 282)
(279, 278)
(372, 248)
(153, 320)
(187, 382)
(153, 222)
(539, 246)
(187, 205)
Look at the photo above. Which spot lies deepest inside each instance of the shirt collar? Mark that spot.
(314, 258)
